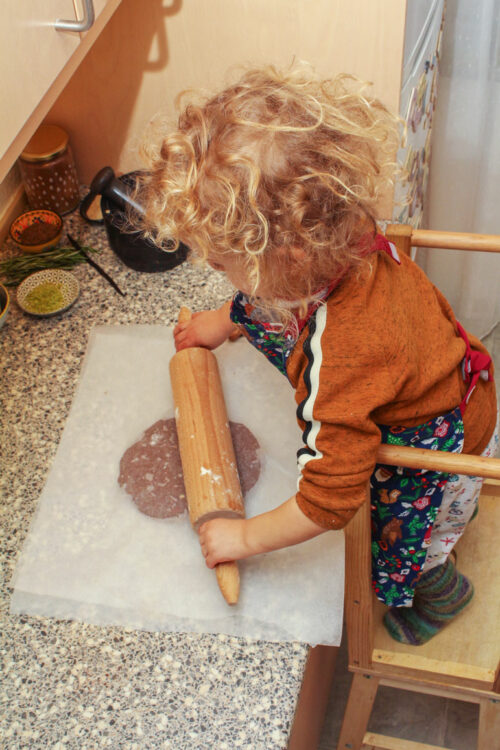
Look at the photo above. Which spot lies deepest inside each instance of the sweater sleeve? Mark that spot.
(336, 392)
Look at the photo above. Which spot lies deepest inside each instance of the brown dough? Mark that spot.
(151, 469)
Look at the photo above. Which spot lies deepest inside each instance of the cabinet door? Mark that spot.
(33, 54)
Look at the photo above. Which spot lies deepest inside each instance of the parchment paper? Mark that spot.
(91, 555)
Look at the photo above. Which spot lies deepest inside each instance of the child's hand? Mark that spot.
(226, 539)
(208, 329)
(222, 540)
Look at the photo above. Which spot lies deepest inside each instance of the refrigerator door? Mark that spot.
(423, 32)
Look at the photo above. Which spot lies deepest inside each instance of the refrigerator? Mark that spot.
(423, 34)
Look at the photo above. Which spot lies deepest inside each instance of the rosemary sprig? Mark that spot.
(15, 270)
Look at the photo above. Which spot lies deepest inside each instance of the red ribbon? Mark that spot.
(475, 365)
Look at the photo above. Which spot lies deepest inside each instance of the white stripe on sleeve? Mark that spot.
(308, 408)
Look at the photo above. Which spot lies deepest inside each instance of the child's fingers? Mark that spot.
(185, 324)
(179, 327)
(181, 336)
(206, 548)
(204, 551)
(210, 560)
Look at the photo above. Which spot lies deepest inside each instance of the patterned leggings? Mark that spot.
(418, 515)
(457, 507)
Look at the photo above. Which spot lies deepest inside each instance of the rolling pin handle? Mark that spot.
(228, 578)
(184, 315)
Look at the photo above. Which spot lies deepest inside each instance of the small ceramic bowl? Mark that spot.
(47, 293)
(4, 304)
(34, 231)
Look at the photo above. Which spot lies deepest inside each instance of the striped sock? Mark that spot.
(440, 595)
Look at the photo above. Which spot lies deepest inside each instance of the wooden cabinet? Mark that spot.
(149, 52)
(34, 55)
(38, 61)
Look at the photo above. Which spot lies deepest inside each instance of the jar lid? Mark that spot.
(48, 141)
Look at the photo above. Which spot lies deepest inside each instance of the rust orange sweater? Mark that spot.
(384, 349)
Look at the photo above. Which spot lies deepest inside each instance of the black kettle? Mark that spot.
(135, 250)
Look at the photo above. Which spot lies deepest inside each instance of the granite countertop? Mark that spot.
(75, 685)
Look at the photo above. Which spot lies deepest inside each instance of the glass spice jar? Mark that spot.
(48, 171)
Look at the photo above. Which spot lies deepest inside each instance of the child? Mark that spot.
(275, 182)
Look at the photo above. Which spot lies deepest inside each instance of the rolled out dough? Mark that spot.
(151, 469)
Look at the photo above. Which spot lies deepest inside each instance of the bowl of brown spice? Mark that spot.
(34, 231)
(47, 293)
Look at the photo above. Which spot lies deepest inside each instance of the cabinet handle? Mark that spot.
(79, 25)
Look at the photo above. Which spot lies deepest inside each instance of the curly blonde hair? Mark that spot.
(282, 168)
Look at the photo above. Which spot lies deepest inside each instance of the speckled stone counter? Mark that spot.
(74, 685)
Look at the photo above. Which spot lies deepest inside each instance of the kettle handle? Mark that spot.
(106, 183)
(97, 187)
(85, 205)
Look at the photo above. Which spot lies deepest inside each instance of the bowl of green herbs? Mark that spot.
(47, 293)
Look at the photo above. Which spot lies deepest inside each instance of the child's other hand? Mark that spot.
(208, 329)
(223, 540)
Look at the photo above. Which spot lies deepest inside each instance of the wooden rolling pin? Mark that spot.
(210, 472)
